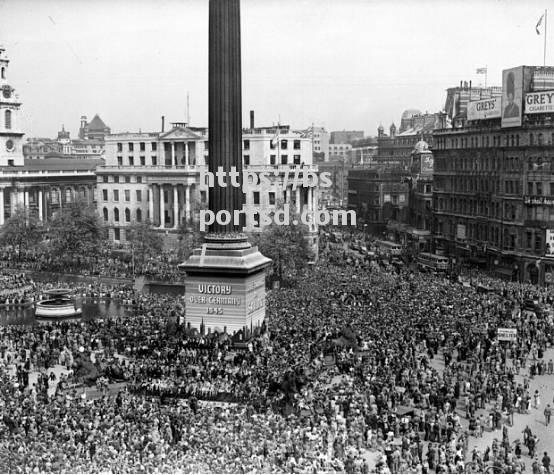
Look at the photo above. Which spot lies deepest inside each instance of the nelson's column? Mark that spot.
(225, 284)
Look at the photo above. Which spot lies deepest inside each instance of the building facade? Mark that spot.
(493, 199)
(156, 177)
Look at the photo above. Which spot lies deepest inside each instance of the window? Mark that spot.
(284, 159)
(551, 189)
(139, 195)
(8, 117)
(538, 242)
(116, 215)
(273, 159)
(139, 215)
(119, 161)
(539, 188)
(127, 215)
(529, 239)
(139, 179)
(105, 179)
(247, 145)
(256, 220)
(284, 144)
(120, 147)
(131, 147)
(131, 162)
(297, 159)
(127, 195)
(530, 188)
(154, 161)
(296, 145)
(271, 197)
(256, 195)
(105, 214)
(116, 195)
(116, 179)
(116, 234)
(127, 179)
(206, 145)
(142, 147)
(154, 146)
(142, 161)
(105, 195)
(247, 160)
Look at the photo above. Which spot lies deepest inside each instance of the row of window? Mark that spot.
(127, 214)
(493, 163)
(490, 140)
(484, 185)
(126, 194)
(118, 179)
(531, 240)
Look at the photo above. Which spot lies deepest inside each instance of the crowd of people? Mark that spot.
(358, 368)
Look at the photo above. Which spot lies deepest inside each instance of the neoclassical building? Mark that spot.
(42, 186)
(156, 176)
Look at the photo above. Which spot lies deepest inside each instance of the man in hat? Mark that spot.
(512, 109)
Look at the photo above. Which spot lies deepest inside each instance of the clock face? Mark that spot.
(10, 145)
(6, 92)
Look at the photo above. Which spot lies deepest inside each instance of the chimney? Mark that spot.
(163, 123)
(251, 119)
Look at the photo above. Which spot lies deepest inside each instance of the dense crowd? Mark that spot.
(346, 366)
(112, 264)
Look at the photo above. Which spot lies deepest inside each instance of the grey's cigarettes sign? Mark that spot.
(484, 109)
(539, 102)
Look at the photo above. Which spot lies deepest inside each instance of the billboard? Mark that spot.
(512, 96)
(427, 164)
(484, 109)
(539, 102)
(461, 231)
(549, 249)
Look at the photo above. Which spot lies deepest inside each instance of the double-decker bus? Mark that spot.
(390, 248)
(434, 262)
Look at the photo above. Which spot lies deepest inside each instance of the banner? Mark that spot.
(549, 248)
(512, 96)
(461, 231)
(539, 102)
(485, 109)
(427, 163)
(507, 334)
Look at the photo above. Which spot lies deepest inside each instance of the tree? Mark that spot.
(145, 242)
(21, 231)
(287, 247)
(76, 231)
(190, 237)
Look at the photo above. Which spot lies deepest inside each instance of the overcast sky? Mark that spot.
(343, 64)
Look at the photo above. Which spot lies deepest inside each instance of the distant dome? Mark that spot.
(381, 128)
(421, 146)
(408, 113)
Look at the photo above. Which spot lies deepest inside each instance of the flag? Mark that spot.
(275, 139)
(539, 24)
(481, 70)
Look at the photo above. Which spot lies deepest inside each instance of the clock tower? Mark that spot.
(11, 137)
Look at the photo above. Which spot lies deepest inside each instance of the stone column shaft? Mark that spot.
(162, 207)
(225, 107)
(175, 207)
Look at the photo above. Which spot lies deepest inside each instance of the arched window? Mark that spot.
(3, 73)
(105, 213)
(139, 215)
(68, 195)
(127, 215)
(116, 215)
(8, 119)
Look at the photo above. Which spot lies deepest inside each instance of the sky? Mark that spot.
(341, 64)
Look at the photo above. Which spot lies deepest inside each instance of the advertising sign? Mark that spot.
(461, 231)
(485, 109)
(512, 97)
(507, 334)
(427, 164)
(529, 200)
(539, 102)
(549, 252)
